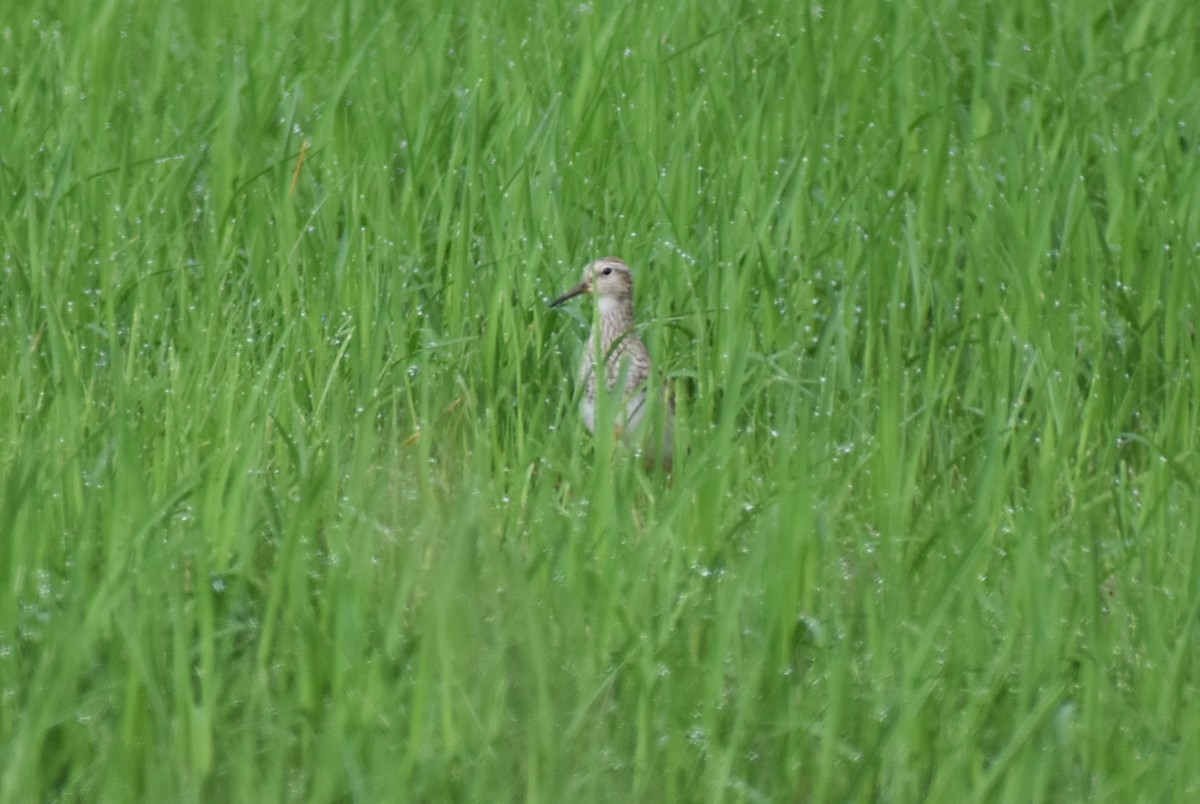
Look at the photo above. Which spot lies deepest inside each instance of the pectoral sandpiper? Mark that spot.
(626, 361)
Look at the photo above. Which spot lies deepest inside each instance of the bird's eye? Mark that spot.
(606, 271)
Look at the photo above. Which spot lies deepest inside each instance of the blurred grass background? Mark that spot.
(296, 504)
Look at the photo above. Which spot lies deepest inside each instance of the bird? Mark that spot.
(627, 364)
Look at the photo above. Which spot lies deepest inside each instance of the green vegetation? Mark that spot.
(295, 504)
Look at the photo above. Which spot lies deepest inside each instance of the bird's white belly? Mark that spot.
(627, 422)
(588, 409)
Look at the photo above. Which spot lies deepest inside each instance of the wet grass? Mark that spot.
(295, 503)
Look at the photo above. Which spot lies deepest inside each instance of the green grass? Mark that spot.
(296, 504)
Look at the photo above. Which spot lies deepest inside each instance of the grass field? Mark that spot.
(296, 504)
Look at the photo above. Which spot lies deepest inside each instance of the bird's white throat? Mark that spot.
(607, 306)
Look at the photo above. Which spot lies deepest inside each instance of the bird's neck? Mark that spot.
(609, 307)
(616, 318)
